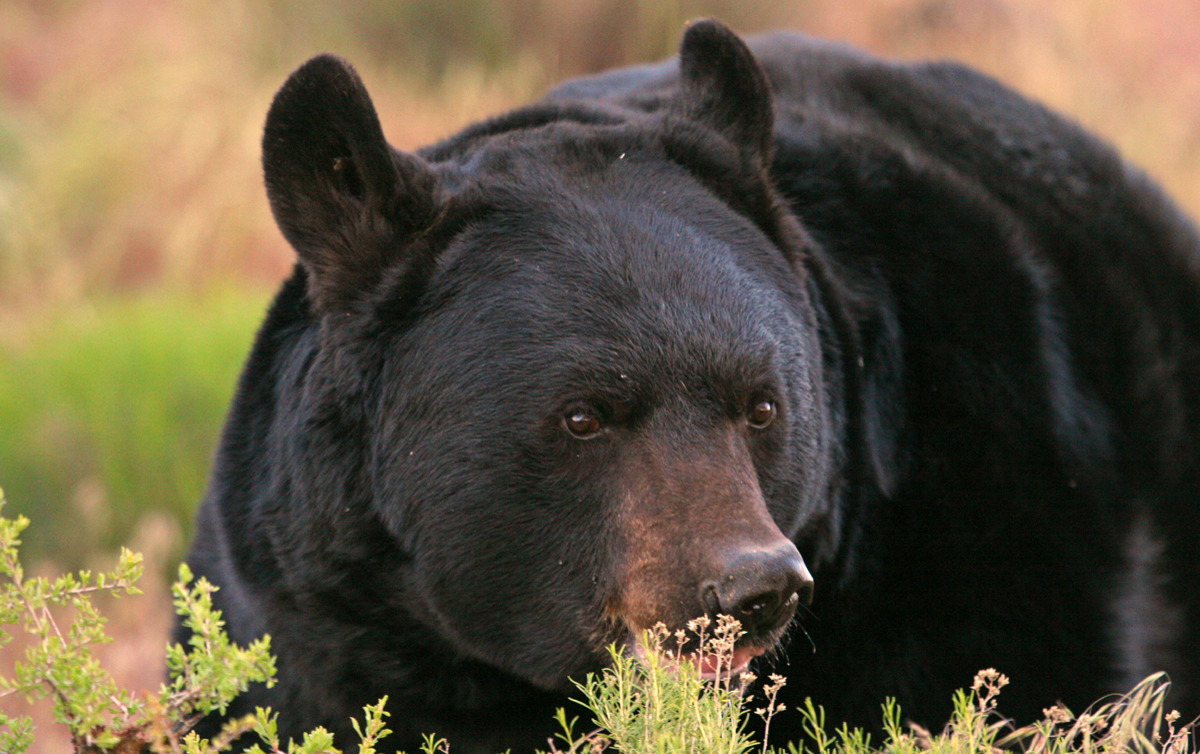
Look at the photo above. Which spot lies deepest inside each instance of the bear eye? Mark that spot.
(582, 423)
(761, 414)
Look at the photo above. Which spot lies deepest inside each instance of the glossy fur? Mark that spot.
(979, 329)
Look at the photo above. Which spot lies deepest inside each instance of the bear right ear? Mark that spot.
(723, 86)
(348, 203)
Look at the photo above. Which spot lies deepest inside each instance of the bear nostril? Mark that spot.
(758, 605)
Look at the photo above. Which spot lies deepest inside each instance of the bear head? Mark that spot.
(565, 377)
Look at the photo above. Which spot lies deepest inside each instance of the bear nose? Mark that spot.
(761, 587)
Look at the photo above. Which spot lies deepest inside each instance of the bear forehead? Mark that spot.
(605, 269)
(630, 222)
(612, 269)
(542, 137)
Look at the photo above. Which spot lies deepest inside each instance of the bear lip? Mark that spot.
(711, 667)
(713, 670)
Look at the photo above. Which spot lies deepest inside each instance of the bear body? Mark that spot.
(896, 366)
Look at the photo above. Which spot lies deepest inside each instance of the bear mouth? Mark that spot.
(711, 666)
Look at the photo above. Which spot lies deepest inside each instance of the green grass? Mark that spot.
(113, 411)
(660, 706)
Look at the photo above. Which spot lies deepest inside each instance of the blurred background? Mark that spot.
(137, 252)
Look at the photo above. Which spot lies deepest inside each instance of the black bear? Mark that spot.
(895, 366)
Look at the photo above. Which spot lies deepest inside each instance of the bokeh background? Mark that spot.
(137, 252)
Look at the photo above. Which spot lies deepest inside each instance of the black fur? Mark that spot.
(979, 327)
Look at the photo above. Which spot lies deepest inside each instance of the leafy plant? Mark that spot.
(59, 663)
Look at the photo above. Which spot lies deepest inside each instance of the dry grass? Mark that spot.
(129, 129)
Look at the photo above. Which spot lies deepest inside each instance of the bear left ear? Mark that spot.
(724, 87)
(349, 204)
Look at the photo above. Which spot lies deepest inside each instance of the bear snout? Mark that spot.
(760, 587)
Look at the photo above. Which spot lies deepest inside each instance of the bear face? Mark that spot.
(654, 467)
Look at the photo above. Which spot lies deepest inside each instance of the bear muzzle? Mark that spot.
(760, 587)
(695, 539)
(760, 584)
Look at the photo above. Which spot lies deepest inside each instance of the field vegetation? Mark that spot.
(137, 253)
(657, 704)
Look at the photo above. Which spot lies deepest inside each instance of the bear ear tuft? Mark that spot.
(347, 202)
(724, 87)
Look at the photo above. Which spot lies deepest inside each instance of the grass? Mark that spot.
(111, 413)
(660, 706)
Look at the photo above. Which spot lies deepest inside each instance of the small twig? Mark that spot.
(53, 623)
(595, 737)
